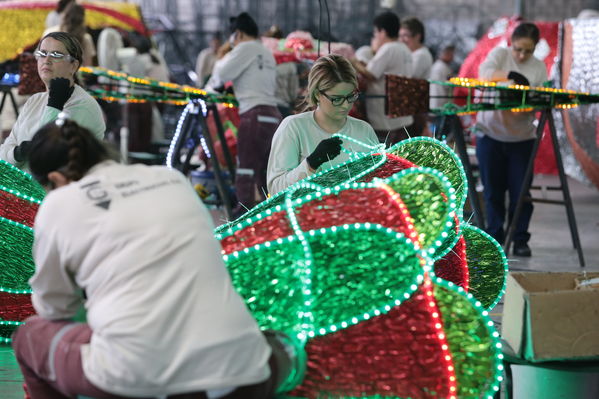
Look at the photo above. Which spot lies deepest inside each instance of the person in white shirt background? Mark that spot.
(412, 34)
(206, 59)
(393, 57)
(59, 55)
(303, 144)
(441, 71)
(252, 69)
(134, 245)
(73, 21)
(505, 139)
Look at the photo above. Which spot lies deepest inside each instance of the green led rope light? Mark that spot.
(446, 223)
(487, 265)
(467, 378)
(317, 178)
(270, 249)
(28, 188)
(20, 195)
(426, 151)
(6, 330)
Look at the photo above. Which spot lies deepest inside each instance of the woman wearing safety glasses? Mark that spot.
(304, 143)
(59, 56)
(505, 140)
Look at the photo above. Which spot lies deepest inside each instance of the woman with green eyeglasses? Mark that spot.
(304, 143)
(59, 56)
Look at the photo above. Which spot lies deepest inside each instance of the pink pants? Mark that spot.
(49, 354)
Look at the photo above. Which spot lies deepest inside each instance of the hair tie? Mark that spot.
(61, 118)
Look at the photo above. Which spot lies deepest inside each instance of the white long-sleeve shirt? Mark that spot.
(393, 58)
(297, 137)
(252, 69)
(440, 71)
(422, 61)
(164, 314)
(81, 107)
(509, 126)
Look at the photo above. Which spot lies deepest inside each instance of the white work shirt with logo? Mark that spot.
(252, 69)
(164, 314)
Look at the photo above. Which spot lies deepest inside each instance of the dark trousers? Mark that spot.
(256, 128)
(502, 168)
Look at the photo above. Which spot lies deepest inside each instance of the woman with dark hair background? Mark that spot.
(163, 319)
(73, 22)
(505, 138)
(59, 55)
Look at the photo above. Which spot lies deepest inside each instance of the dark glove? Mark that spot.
(60, 91)
(518, 78)
(21, 152)
(325, 150)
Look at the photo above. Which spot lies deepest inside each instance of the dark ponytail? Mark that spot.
(66, 147)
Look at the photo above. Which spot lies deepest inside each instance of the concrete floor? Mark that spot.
(551, 247)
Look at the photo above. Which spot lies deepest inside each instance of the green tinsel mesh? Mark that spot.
(470, 342)
(343, 268)
(328, 179)
(423, 195)
(16, 261)
(6, 330)
(13, 178)
(345, 173)
(434, 154)
(487, 266)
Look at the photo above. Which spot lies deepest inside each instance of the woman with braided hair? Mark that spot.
(59, 55)
(134, 245)
(303, 143)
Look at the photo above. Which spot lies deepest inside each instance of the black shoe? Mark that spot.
(522, 249)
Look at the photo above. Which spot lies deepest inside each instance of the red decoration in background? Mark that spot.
(398, 353)
(545, 160)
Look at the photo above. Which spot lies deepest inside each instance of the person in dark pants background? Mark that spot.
(505, 146)
(252, 69)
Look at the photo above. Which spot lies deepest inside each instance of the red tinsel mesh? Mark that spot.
(17, 209)
(406, 96)
(453, 266)
(15, 307)
(267, 229)
(353, 206)
(392, 165)
(397, 354)
(349, 206)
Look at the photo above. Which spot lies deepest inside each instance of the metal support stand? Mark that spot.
(7, 92)
(460, 142)
(193, 131)
(546, 117)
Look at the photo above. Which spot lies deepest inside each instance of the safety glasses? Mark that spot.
(338, 100)
(53, 56)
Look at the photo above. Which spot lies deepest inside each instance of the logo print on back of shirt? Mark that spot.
(97, 194)
(260, 61)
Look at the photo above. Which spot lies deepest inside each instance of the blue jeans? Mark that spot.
(502, 167)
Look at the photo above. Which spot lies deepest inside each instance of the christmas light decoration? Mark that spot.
(20, 197)
(338, 274)
(138, 90)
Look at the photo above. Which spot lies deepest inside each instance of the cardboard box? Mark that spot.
(546, 318)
